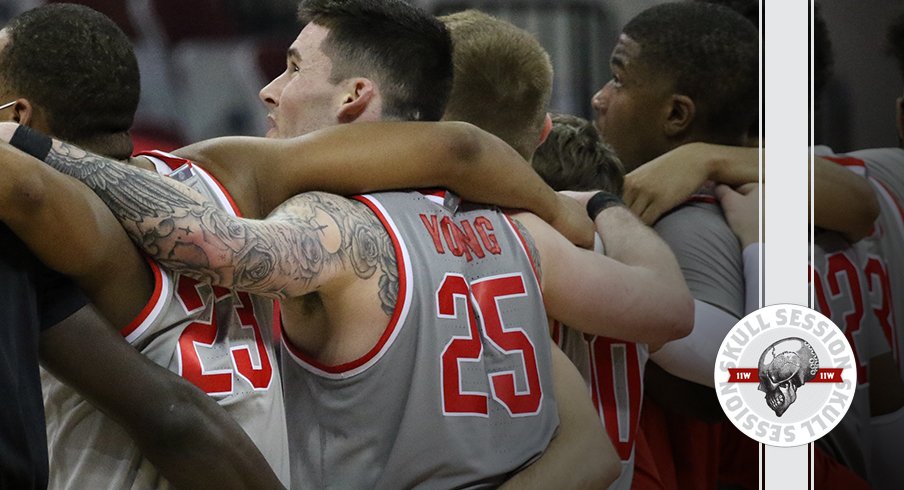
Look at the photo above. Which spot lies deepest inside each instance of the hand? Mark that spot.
(663, 183)
(741, 208)
(572, 221)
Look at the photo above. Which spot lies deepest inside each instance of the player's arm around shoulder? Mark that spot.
(636, 293)
(314, 242)
(47, 209)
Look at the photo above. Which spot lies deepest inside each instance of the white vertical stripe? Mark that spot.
(786, 125)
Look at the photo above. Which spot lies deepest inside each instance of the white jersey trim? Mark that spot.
(158, 300)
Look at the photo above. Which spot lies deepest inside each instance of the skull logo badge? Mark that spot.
(784, 367)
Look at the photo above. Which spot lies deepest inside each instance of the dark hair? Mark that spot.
(406, 51)
(710, 53)
(77, 66)
(823, 60)
(749, 9)
(895, 41)
(575, 158)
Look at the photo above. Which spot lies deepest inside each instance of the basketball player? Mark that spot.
(119, 282)
(362, 285)
(83, 350)
(856, 228)
(660, 97)
(574, 157)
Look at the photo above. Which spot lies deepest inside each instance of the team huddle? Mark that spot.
(382, 293)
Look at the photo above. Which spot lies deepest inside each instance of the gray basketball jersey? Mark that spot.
(457, 393)
(707, 251)
(220, 340)
(613, 370)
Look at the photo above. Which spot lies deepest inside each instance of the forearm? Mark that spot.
(732, 165)
(46, 208)
(844, 201)
(634, 244)
(581, 455)
(361, 158)
(192, 441)
(206, 437)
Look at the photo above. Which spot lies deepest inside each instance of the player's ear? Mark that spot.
(547, 128)
(357, 100)
(681, 111)
(21, 112)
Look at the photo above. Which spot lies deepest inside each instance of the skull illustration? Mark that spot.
(784, 367)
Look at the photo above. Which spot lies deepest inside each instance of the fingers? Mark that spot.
(724, 192)
(651, 214)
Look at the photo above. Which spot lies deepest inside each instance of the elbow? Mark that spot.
(464, 143)
(28, 196)
(678, 319)
(601, 471)
(684, 317)
(607, 474)
(174, 423)
(867, 216)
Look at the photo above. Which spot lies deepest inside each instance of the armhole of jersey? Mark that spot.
(164, 162)
(526, 249)
(151, 310)
(399, 314)
(222, 194)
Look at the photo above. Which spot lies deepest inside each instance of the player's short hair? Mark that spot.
(710, 53)
(406, 51)
(76, 65)
(895, 41)
(574, 158)
(503, 79)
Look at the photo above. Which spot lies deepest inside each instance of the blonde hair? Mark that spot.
(503, 79)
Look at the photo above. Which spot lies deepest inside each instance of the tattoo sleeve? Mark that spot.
(307, 240)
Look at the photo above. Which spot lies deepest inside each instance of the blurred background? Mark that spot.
(203, 61)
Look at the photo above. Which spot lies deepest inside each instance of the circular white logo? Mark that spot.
(785, 375)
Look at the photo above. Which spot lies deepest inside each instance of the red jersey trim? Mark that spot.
(152, 309)
(702, 198)
(846, 161)
(170, 160)
(403, 304)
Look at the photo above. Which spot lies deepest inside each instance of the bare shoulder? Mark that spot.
(346, 231)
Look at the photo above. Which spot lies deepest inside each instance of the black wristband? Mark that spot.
(600, 201)
(32, 142)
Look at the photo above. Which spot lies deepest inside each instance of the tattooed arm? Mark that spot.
(349, 159)
(306, 243)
